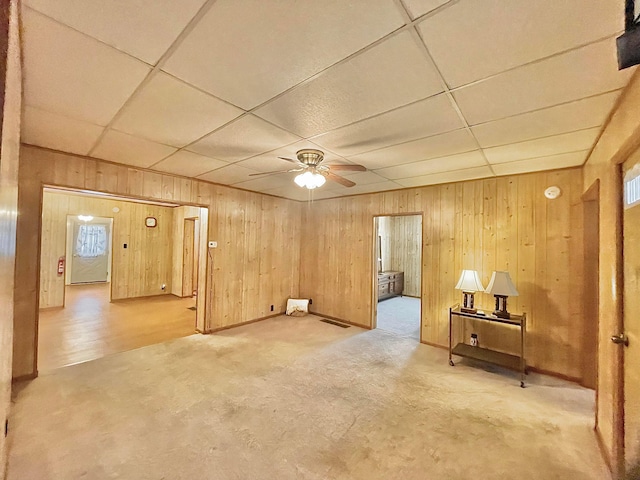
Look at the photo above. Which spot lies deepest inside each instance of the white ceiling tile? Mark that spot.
(245, 137)
(368, 188)
(580, 73)
(417, 8)
(578, 115)
(538, 164)
(142, 28)
(228, 175)
(57, 132)
(269, 161)
(362, 178)
(69, 73)
(268, 182)
(434, 165)
(421, 119)
(247, 52)
(188, 164)
(391, 74)
(447, 177)
(169, 111)
(449, 143)
(473, 39)
(122, 148)
(303, 194)
(542, 147)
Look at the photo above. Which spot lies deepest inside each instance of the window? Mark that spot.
(92, 241)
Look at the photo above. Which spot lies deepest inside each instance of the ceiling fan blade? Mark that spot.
(275, 172)
(341, 180)
(352, 168)
(291, 160)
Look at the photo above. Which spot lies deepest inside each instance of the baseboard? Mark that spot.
(561, 376)
(48, 309)
(366, 327)
(22, 378)
(603, 450)
(248, 322)
(436, 345)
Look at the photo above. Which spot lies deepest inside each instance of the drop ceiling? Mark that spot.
(418, 91)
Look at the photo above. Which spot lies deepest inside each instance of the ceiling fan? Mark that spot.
(313, 174)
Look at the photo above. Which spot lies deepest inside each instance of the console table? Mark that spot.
(512, 362)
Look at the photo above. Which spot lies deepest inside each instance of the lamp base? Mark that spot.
(501, 307)
(467, 303)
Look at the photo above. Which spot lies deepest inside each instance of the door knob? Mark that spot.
(620, 339)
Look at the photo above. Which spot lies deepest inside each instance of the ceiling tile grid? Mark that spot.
(417, 91)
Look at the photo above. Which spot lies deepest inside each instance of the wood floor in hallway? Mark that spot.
(90, 326)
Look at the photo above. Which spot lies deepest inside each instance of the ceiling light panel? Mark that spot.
(247, 52)
(447, 177)
(243, 138)
(578, 115)
(142, 28)
(169, 111)
(542, 147)
(188, 164)
(565, 160)
(581, 73)
(474, 39)
(228, 175)
(443, 145)
(435, 165)
(417, 8)
(138, 152)
(57, 132)
(421, 119)
(71, 74)
(391, 74)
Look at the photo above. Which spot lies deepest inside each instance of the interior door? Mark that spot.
(188, 257)
(631, 302)
(90, 262)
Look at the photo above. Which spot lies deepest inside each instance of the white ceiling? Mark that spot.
(418, 91)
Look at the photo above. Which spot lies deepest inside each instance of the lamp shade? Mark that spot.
(501, 284)
(469, 281)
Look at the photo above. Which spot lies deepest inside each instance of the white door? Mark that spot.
(90, 247)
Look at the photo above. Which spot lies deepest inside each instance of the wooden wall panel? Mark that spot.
(619, 140)
(236, 220)
(485, 225)
(10, 107)
(137, 271)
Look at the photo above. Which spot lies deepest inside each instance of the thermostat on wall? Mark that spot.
(150, 222)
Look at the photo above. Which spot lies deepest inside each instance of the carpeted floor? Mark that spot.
(400, 315)
(295, 398)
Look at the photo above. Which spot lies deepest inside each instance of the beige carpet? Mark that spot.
(295, 398)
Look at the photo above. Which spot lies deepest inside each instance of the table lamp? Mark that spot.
(469, 283)
(501, 287)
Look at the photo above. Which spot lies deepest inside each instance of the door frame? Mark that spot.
(374, 257)
(205, 275)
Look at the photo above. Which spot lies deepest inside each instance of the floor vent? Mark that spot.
(337, 324)
(191, 308)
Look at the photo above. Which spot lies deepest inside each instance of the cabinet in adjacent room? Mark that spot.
(390, 284)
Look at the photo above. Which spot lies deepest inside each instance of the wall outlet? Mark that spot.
(213, 244)
(164, 286)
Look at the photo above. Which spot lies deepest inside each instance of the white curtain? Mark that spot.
(92, 241)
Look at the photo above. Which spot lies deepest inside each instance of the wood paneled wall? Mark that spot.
(10, 106)
(179, 214)
(501, 223)
(618, 141)
(136, 271)
(402, 249)
(254, 266)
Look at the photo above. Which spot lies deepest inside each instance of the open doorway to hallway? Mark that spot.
(398, 263)
(115, 274)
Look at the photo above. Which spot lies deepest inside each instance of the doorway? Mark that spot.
(107, 274)
(591, 285)
(397, 288)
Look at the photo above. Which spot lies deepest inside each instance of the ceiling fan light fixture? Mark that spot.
(310, 180)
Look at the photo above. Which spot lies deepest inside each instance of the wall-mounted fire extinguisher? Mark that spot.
(61, 266)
